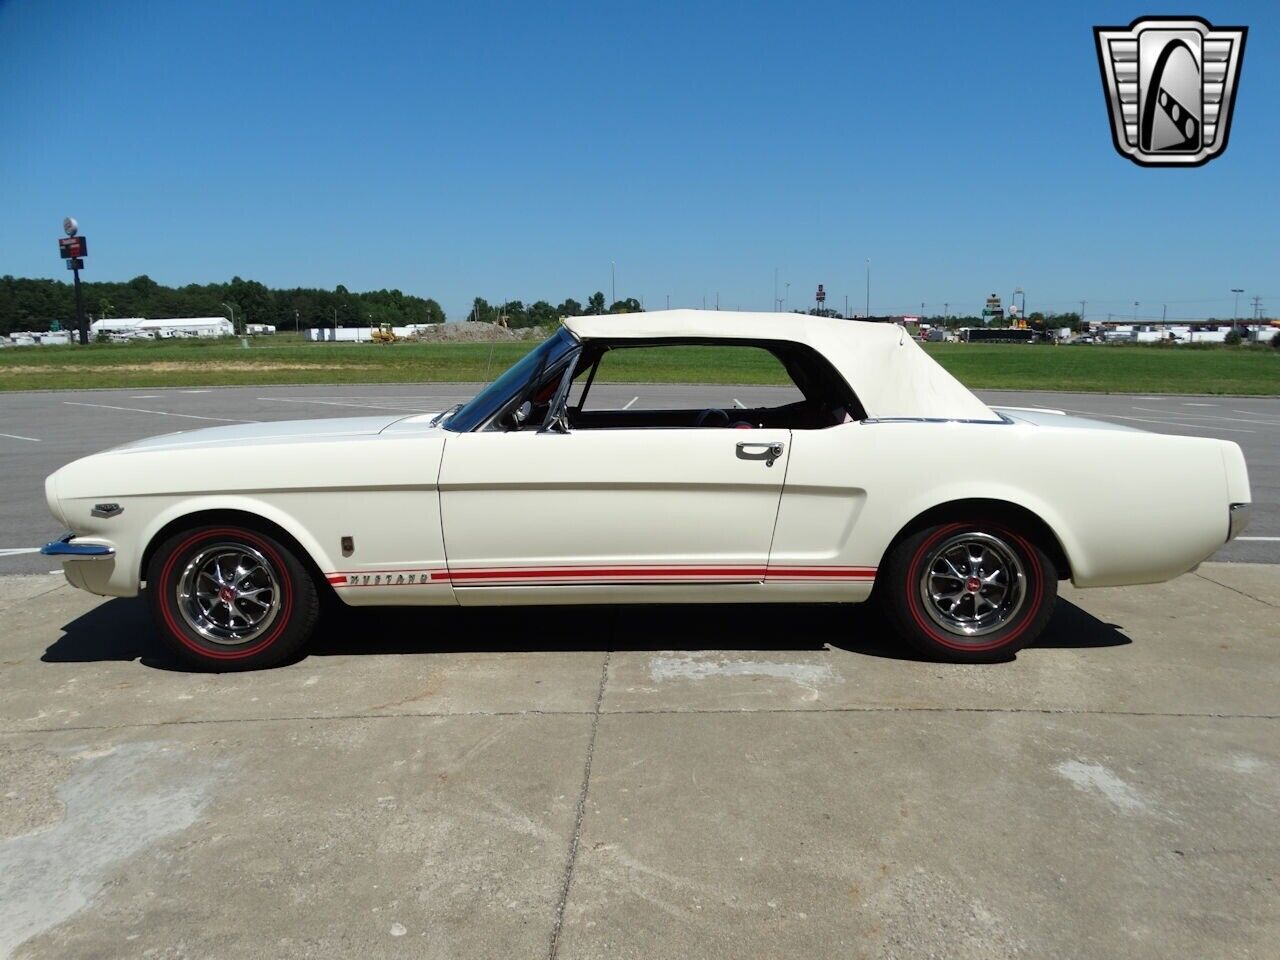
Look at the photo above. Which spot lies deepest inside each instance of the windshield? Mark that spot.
(498, 394)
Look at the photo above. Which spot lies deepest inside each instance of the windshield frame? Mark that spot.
(477, 412)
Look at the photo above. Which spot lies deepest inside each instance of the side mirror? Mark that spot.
(521, 413)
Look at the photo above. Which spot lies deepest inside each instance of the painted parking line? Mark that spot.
(18, 551)
(1206, 416)
(1255, 415)
(15, 436)
(362, 406)
(161, 413)
(1187, 404)
(1171, 423)
(627, 405)
(1261, 539)
(146, 396)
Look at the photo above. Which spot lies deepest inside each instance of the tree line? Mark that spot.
(27, 304)
(541, 313)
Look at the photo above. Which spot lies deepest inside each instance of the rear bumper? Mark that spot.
(1238, 519)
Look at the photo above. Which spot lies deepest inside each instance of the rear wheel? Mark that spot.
(230, 598)
(969, 592)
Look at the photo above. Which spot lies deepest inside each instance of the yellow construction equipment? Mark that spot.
(383, 333)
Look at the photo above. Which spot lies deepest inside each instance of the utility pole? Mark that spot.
(1164, 312)
(1257, 308)
(867, 315)
(946, 310)
(1082, 303)
(775, 288)
(668, 301)
(613, 283)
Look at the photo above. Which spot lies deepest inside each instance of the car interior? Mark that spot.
(826, 400)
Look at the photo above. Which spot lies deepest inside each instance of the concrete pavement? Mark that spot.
(648, 781)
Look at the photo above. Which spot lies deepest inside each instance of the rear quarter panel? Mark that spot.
(1127, 506)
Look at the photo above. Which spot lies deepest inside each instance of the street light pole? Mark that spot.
(613, 283)
(867, 315)
(232, 311)
(1235, 312)
(1135, 311)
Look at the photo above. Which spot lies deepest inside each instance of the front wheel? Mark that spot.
(230, 598)
(969, 592)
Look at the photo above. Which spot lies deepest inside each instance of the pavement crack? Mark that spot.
(638, 712)
(1228, 586)
(566, 882)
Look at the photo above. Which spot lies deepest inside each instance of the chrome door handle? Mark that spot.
(768, 452)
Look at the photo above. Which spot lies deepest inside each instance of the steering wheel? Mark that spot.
(709, 414)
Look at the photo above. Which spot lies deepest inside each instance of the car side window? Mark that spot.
(697, 385)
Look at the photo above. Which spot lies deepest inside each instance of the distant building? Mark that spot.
(162, 329)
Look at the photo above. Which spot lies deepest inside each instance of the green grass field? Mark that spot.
(286, 359)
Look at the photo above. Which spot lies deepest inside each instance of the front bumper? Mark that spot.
(64, 549)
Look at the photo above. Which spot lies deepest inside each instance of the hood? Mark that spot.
(273, 432)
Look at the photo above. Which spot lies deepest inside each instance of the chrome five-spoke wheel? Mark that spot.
(229, 593)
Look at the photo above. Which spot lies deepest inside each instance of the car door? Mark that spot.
(609, 509)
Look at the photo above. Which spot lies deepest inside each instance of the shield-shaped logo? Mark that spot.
(1170, 84)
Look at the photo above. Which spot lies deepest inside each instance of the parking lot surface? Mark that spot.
(647, 782)
(43, 430)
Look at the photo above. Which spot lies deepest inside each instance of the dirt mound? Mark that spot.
(470, 332)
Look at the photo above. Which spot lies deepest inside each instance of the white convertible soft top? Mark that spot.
(890, 373)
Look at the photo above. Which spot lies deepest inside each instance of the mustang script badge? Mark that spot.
(1170, 84)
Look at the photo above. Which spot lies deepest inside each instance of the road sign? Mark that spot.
(821, 295)
(75, 263)
(73, 247)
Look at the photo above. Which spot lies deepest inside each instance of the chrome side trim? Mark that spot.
(990, 423)
(1237, 519)
(64, 549)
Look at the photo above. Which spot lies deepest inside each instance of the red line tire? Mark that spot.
(227, 597)
(917, 587)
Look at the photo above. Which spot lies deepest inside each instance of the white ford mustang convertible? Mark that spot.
(879, 476)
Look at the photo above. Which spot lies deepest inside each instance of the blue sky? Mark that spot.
(514, 150)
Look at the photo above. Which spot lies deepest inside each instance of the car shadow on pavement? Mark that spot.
(122, 630)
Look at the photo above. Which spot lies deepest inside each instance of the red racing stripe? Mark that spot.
(585, 573)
